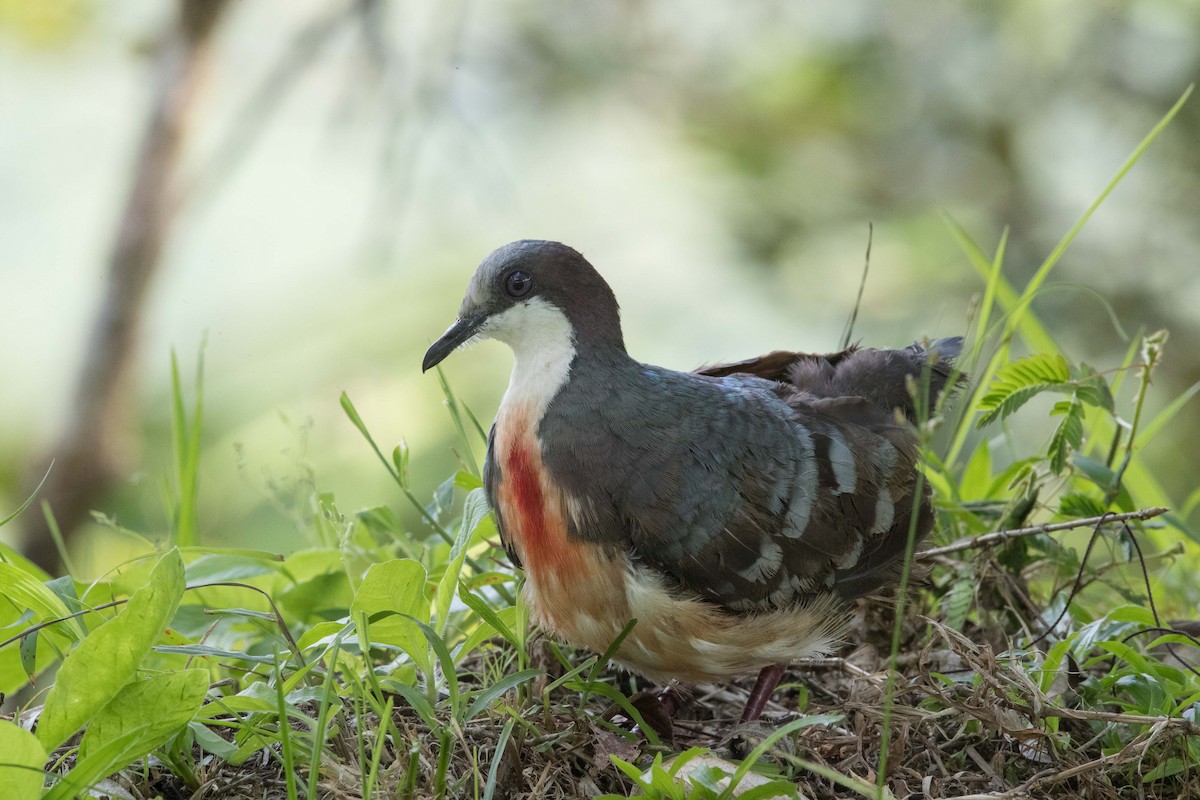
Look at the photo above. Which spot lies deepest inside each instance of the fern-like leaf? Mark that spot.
(1078, 506)
(1018, 382)
(1068, 436)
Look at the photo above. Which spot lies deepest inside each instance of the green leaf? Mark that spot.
(468, 481)
(1079, 506)
(22, 758)
(28, 500)
(443, 499)
(217, 567)
(978, 473)
(475, 510)
(157, 708)
(1094, 390)
(489, 615)
(400, 458)
(210, 742)
(449, 671)
(28, 652)
(1018, 382)
(396, 587)
(80, 779)
(489, 789)
(956, 603)
(416, 701)
(26, 591)
(1172, 766)
(1103, 476)
(484, 698)
(94, 672)
(204, 650)
(185, 438)
(1068, 436)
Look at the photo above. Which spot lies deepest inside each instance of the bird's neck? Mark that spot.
(547, 350)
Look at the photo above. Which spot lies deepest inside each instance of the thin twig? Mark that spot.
(1154, 608)
(1002, 536)
(1075, 589)
(848, 331)
(1187, 725)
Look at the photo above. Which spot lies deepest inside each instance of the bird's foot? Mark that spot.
(657, 709)
(745, 736)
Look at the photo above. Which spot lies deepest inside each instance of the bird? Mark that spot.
(731, 512)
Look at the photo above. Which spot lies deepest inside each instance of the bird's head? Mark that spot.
(534, 294)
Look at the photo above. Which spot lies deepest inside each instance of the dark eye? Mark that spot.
(518, 283)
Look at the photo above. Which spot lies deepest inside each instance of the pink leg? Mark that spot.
(764, 687)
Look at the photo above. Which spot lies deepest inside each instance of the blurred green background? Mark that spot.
(344, 166)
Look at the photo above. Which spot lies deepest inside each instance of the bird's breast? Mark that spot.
(574, 588)
(529, 500)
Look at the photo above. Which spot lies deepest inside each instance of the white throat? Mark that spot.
(543, 343)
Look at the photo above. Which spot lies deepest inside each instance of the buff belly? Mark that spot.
(682, 637)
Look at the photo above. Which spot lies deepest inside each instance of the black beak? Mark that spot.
(455, 335)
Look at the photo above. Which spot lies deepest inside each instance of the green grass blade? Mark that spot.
(185, 440)
(489, 789)
(1166, 415)
(456, 415)
(989, 292)
(766, 744)
(497, 689)
(28, 500)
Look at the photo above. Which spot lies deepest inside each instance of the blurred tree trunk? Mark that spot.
(88, 457)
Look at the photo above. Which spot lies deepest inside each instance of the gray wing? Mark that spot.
(755, 493)
(785, 503)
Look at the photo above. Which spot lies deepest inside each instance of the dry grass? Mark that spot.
(967, 722)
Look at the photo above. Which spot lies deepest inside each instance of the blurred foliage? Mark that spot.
(44, 23)
(354, 166)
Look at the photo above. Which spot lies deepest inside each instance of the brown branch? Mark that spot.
(89, 453)
(1002, 536)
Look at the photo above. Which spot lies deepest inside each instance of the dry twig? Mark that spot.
(990, 539)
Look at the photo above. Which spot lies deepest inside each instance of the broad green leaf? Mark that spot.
(95, 671)
(22, 758)
(210, 742)
(467, 480)
(157, 707)
(398, 587)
